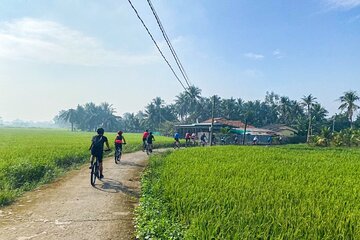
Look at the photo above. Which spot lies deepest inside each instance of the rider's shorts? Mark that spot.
(99, 157)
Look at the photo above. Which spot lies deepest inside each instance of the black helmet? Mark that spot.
(100, 131)
(150, 132)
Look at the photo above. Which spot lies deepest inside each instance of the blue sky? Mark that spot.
(57, 54)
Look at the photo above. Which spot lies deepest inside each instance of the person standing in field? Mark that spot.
(97, 148)
(144, 137)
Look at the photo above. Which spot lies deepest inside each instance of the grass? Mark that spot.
(29, 157)
(292, 192)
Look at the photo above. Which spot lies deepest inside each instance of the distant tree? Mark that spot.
(339, 122)
(348, 103)
(92, 119)
(228, 109)
(187, 105)
(131, 123)
(284, 109)
(69, 116)
(319, 120)
(308, 101)
(357, 122)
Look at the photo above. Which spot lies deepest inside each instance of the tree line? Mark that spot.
(306, 115)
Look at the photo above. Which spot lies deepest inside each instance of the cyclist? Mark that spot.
(97, 148)
(119, 141)
(203, 139)
(193, 138)
(187, 138)
(222, 139)
(177, 141)
(149, 141)
(145, 135)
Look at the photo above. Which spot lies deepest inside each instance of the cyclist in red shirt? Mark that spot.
(119, 142)
(145, 135)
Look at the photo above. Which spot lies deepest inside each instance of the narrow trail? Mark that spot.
(71, 208)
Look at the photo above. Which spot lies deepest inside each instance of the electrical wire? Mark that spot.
(157, 46)
(181, 68)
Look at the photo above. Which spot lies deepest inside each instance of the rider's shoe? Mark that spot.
(101, 176)
(90, 167)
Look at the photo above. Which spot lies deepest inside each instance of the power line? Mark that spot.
(157, 46)
(181, 68)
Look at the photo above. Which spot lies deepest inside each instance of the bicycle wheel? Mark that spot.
(117, 159)
(93, 174)
(147, 149)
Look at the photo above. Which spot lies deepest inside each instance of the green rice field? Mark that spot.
(230, 192)
(32, 156)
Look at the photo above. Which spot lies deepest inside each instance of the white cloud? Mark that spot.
(254, 56)
(344, 4)
(50, 42)
(276, 53)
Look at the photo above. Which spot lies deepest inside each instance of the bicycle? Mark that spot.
(148, 148)
(118, 153)
(95, 170)
(176, 144)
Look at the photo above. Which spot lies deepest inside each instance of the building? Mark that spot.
(282, 130)
(227, 127)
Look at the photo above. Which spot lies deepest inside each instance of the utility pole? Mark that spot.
(212, 121)
(244, 132)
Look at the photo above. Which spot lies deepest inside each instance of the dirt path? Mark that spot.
(72, 209)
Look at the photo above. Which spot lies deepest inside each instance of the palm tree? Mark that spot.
(69, 116)
(91, 116)
(348, 103)
(181, 106)
(228, 108)
(284, 109)
(159, 104)
(187, 103)
(308, 102)
(318, 117)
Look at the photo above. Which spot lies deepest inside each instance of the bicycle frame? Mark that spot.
(95, 171)
(148, 148)
(118, 153)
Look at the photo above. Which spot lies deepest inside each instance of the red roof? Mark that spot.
(230, 123)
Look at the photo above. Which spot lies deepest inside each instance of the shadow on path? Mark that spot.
(126, 163)
(113, 186)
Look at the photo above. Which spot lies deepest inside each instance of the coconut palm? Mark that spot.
(348, 103)
(308, 102)
(318, 117)
(187, 103)
(284, 109)
(69, 116)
